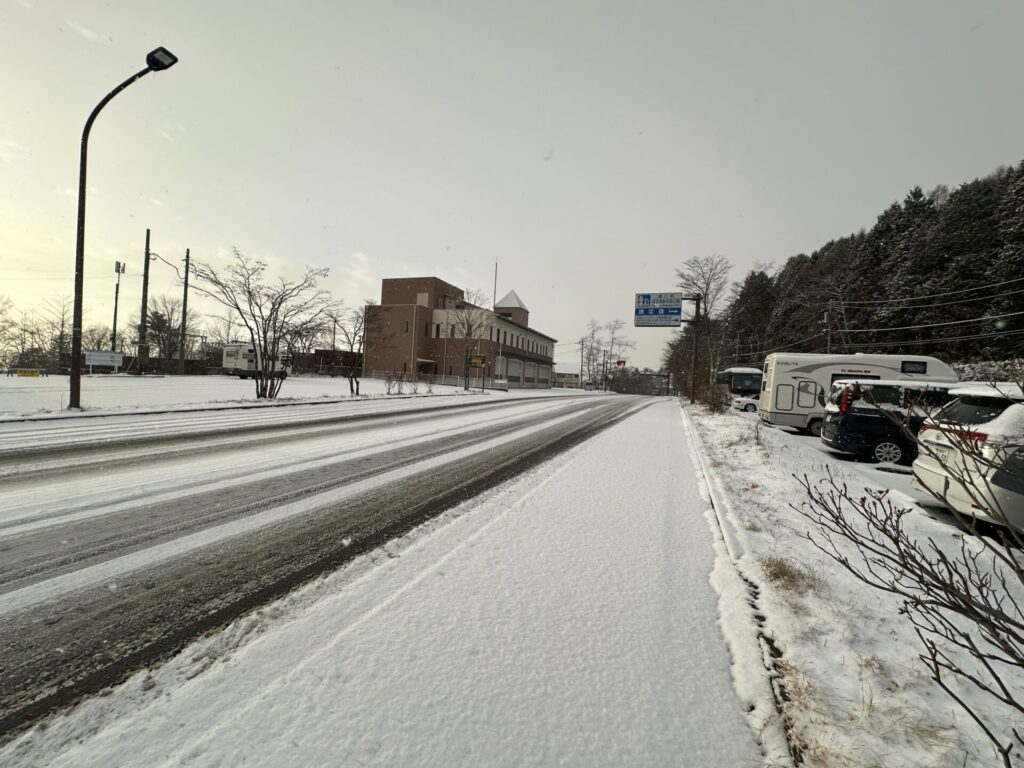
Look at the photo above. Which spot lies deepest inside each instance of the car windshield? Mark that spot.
(974, 409)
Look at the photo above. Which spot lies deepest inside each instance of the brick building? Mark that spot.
(425, 326)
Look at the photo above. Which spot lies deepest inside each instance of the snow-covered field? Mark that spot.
(21, 397)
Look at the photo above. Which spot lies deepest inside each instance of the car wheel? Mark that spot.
(749, 407)
(815, 428)
(888, 452)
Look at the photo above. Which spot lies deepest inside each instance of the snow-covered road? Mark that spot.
(565, 618)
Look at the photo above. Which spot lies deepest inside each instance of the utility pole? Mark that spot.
(143, 346)
(184, 319)
(693, 355)
(828, 328)
(119, 269)
(582, 341)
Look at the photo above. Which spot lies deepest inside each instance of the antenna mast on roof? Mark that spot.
(494, 296)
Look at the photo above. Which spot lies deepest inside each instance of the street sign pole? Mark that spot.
(693, 357)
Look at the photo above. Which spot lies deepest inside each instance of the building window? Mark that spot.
(426, 330)
(406, 328)
(403, 367)
(437, 330)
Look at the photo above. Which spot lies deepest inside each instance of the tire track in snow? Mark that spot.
(95, 637)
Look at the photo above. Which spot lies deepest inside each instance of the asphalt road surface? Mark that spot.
(123, 539)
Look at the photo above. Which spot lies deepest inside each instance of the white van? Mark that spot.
(795, 387)
(243, 360)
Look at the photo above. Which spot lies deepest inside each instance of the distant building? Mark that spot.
(567, 379)
(425, 326)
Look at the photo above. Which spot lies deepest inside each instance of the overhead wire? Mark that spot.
(934, 295)
(930, 325)
(940, 303)
(942, 340)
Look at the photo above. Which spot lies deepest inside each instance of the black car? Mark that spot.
(870, 419)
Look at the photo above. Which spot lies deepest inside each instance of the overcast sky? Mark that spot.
(588, 147)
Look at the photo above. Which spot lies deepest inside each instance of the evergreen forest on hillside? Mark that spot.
(940, 273)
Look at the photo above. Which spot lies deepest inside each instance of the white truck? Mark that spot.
(241, 359)
(795, 387)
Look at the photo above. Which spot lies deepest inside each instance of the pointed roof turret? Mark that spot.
(511, 301)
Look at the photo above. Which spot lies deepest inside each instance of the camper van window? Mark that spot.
(784, 397)
(859, 376)
(913, 366)
(805, 394)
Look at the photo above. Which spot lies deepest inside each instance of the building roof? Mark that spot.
(511, 301)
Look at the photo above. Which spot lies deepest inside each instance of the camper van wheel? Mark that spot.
(887, 452)
(241, 376)
(815, 427)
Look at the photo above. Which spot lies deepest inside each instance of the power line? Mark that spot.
(942, 303)
(930, 325)
(943, 340)
(779, 349)
(935, 295)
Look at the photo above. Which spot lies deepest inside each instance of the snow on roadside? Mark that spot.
(858, 695)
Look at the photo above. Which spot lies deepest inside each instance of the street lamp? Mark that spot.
(156, 61)
(119, 269)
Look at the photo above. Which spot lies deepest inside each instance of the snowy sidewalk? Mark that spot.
(567, 620)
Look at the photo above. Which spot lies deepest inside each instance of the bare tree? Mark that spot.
(708, 277)
(222, 329)
(618, 342)
(351, 324)
(8, 332)
(306, 334)
(467, 322)
(96, 337)
(164, 321)
(594, 352)
(269, 313)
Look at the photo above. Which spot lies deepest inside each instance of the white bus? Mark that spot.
(745, 382)
(795, 387)
(241, 359)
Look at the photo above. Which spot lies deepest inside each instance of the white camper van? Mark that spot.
(795, 387)
(242, 360)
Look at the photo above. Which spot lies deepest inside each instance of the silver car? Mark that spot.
(971, 456)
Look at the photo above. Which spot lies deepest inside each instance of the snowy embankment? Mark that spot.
(565, 618)
(857, 693)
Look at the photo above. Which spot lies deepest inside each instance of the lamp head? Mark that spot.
(160, 59)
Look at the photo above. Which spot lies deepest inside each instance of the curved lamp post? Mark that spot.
(156, 61)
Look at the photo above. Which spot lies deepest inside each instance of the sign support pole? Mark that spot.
(693, 356)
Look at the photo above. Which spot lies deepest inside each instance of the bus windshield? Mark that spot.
(747, 384)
